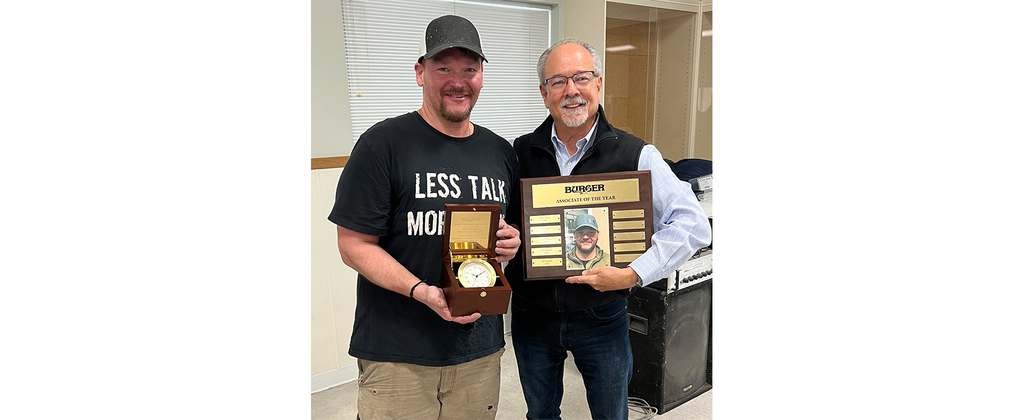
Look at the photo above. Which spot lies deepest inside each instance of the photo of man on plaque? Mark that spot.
(587, 248)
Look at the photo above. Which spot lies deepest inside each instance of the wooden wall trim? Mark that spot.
(329, 162)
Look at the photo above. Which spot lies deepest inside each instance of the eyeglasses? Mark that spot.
(581, 79)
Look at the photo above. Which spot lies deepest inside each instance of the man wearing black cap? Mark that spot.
(586, 253)
(416, 360)
(586, 314)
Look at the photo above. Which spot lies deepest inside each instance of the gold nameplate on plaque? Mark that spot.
(626, 258)
(541, 230)
(628, 214)
(628, 236)
(546, 251)
(545, 218)
(632, 224)
(547, 240)
(630, 246)
(586, 193)
(546, 262)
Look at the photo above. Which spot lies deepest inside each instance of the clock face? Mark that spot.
(476, 273)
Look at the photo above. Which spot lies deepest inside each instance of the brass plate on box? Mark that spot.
(546, 262)
(629, 236)
(607, 191)
(632, 224)
(545, 218)
(469, 230)
(546, 240)
(546, 251)
(628, 214)
(625, 258)
(541, 230)
(630, 246)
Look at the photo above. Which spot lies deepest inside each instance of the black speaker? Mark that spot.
(670, 334)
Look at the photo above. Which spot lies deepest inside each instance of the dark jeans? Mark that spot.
(598, 338)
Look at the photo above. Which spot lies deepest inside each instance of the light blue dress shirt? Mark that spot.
(680, 225)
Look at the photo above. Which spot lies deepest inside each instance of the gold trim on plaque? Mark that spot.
(546, 262)
(632, 224)
(546, 240)
(625, 258)
(630, 246)
(628, 236)
(545, 218)
(540, 230)
(627, 214)
(588, 192)
(546, 251)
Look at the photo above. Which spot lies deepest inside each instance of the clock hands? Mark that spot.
(476, 274)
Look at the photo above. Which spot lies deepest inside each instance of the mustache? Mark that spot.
(456, 91)
(575, 100)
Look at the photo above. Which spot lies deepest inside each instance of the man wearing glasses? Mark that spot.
(586, 314)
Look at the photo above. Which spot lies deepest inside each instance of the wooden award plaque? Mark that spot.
(470, 234)
(607, 217)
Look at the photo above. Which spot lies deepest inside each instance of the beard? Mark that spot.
(455, 116)
(574, 117)
(585, 248)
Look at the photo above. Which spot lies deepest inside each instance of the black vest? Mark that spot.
(612, 150)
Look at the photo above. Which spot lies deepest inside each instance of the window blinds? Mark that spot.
(383, 39)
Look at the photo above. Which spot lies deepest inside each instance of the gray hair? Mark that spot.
(543, 60)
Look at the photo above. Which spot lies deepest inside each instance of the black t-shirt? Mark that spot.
(400, 174)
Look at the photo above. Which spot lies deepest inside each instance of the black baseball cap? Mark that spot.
(451, 31)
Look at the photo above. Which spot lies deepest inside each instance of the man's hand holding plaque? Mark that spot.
(604, 279)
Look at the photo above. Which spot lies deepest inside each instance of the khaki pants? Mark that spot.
(406, 391)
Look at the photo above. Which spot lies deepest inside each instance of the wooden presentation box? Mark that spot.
(615, 206)
(470, 231)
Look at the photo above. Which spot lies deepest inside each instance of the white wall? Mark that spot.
(333, 291)
(585, 20)
(333, 283)
(332, 127)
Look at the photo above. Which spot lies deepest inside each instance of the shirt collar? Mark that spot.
(581, 144)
